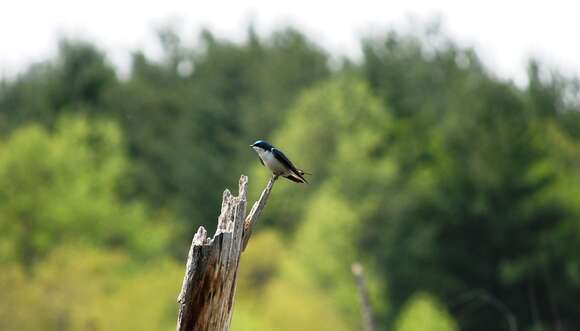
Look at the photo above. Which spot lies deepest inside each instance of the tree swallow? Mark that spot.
(277, 162)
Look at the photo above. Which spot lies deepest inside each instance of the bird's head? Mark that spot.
(261, 145)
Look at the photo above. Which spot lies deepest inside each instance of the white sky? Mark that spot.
(505, 33)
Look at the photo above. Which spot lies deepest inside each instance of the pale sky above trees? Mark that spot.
(504, 33)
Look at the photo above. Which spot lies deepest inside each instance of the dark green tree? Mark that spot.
(470, 212)
(76, 80)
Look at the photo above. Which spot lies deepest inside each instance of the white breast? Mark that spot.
(272, 163)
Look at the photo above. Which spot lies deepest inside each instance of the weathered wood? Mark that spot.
(366, 309)
(256, 211)
(207, 295)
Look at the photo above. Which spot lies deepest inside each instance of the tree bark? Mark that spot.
(206, 299)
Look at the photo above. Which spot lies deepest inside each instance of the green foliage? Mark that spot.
(189, 133)
(317, 127)
(330, 232)
(63, 187)
(437, 176)
(331, 210)
(473, 205)
(423, 312)
(76, 80)
(78, 289)
(276, 291)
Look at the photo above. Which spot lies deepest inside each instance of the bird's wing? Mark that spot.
(286, 162)
(283, 159)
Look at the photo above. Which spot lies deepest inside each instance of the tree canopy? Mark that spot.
(458, 190)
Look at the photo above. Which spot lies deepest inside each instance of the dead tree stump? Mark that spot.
(206, 299)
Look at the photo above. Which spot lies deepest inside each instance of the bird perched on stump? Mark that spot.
(277, 162)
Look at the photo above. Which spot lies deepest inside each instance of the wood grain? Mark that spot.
(207, 295)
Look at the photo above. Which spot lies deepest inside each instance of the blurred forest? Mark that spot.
(457, 190)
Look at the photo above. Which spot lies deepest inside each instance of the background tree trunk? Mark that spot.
(206, 300)
(365, 303)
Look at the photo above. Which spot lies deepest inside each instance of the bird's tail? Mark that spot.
(297, 179)
(302, 172)
(298, 176)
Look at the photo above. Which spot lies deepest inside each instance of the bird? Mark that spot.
(277, 162)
